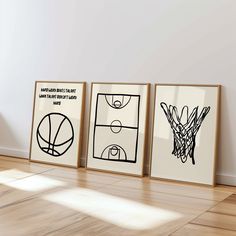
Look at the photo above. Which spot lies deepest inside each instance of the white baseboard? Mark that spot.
(14, 152)
(226, 179)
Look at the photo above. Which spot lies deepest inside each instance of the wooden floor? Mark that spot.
(38, 199)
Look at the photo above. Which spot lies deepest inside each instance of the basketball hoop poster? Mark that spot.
(56, 124)
(185, 133)
(117, 128)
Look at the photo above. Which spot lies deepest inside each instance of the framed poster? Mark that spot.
(56, 124)
(185, 129)
(117, 129)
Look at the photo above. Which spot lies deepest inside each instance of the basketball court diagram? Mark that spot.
(55, 134)
(116, 127)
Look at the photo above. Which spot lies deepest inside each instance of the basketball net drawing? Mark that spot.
(185, 127)
(55, 134)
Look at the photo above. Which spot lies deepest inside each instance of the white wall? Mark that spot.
(179, 41)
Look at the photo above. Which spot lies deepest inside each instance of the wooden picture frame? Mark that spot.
(57, 123)
(185, 151)
(110, 126)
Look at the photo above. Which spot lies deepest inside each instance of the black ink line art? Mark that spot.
(55, 134)
(185, 127)
(117, 101)
(116, 126)
(116, 139)
(114, 152)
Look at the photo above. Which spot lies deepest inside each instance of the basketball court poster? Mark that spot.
(57, 118)
(117, 127)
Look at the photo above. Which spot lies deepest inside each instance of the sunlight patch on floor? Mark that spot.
(115, 210)
(12, 174)
(35, 183)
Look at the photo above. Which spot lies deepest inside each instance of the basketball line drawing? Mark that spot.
(185, 128)
(116, 146)
(55, 143)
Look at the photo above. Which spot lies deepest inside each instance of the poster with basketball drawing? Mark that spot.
(185, 133)
(57, 119)
(118, 119)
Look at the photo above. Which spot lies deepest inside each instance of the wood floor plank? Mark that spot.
(176, 188)
(82, 175)
(22, 167)
(224, 208)
(22, 218)
(231, 199)
(94, 227)
(10, 175)
(13, 159)
(217, 220)
(221, 187)
(37, 185)
(34, 217)
(37, 199)
(228, 206)
(9, 195)
(198, 230)
(116, 215)
(183, 204)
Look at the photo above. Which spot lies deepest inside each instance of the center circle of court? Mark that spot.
(116, 126)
